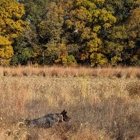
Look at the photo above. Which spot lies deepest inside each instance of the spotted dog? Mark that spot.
(48, 120)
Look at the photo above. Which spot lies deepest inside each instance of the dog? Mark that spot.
(48, 120)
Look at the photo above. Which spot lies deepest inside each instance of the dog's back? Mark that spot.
(48, 120)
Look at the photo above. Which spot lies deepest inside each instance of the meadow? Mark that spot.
(103, 103)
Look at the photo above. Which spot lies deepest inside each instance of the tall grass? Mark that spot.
(126, 72)
(101, 107)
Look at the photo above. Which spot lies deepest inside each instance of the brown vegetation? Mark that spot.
(102, 106)
(125, 72)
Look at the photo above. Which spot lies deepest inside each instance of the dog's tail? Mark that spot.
(25, 121)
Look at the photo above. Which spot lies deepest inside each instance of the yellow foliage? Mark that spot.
(115, 59)
(6, 52)
(131, 44)
(85, 3)
(13, 35)
(96, 28)
(96, 13)
(11, 26)
(99, 2)
(98, 59)
(11, 12)
(107, 25)
(69, 23)
(4, 41)
(85, 34)
(94, 35)
(64, 60)
(81, 13)
(94, 45)
(107, 16)
(62, 56)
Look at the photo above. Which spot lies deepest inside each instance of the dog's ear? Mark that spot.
(64, 112)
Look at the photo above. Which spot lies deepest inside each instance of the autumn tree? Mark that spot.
(85, 32)
(35, 12)
(85, 23)
(121, 8)
(11, 24)
(25, 48)
(50, 31)
(117, 38)
(133, 28)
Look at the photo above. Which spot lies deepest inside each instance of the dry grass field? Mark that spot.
(103, 103)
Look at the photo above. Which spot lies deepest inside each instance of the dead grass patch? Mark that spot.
(100, 108)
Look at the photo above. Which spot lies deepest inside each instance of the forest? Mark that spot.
(70, 32)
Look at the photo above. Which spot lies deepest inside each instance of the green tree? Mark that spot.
(50, 30)
(121, 8)
(117, 39)
(35, 10)
(24, 48)
(115, 44)
(38, 33)
(133, 28)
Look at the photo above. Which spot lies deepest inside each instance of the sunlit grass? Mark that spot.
(102, 106)
(125, 72)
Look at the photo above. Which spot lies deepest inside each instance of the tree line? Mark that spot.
(70, 32)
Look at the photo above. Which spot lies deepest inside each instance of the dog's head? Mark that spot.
(65, 117)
